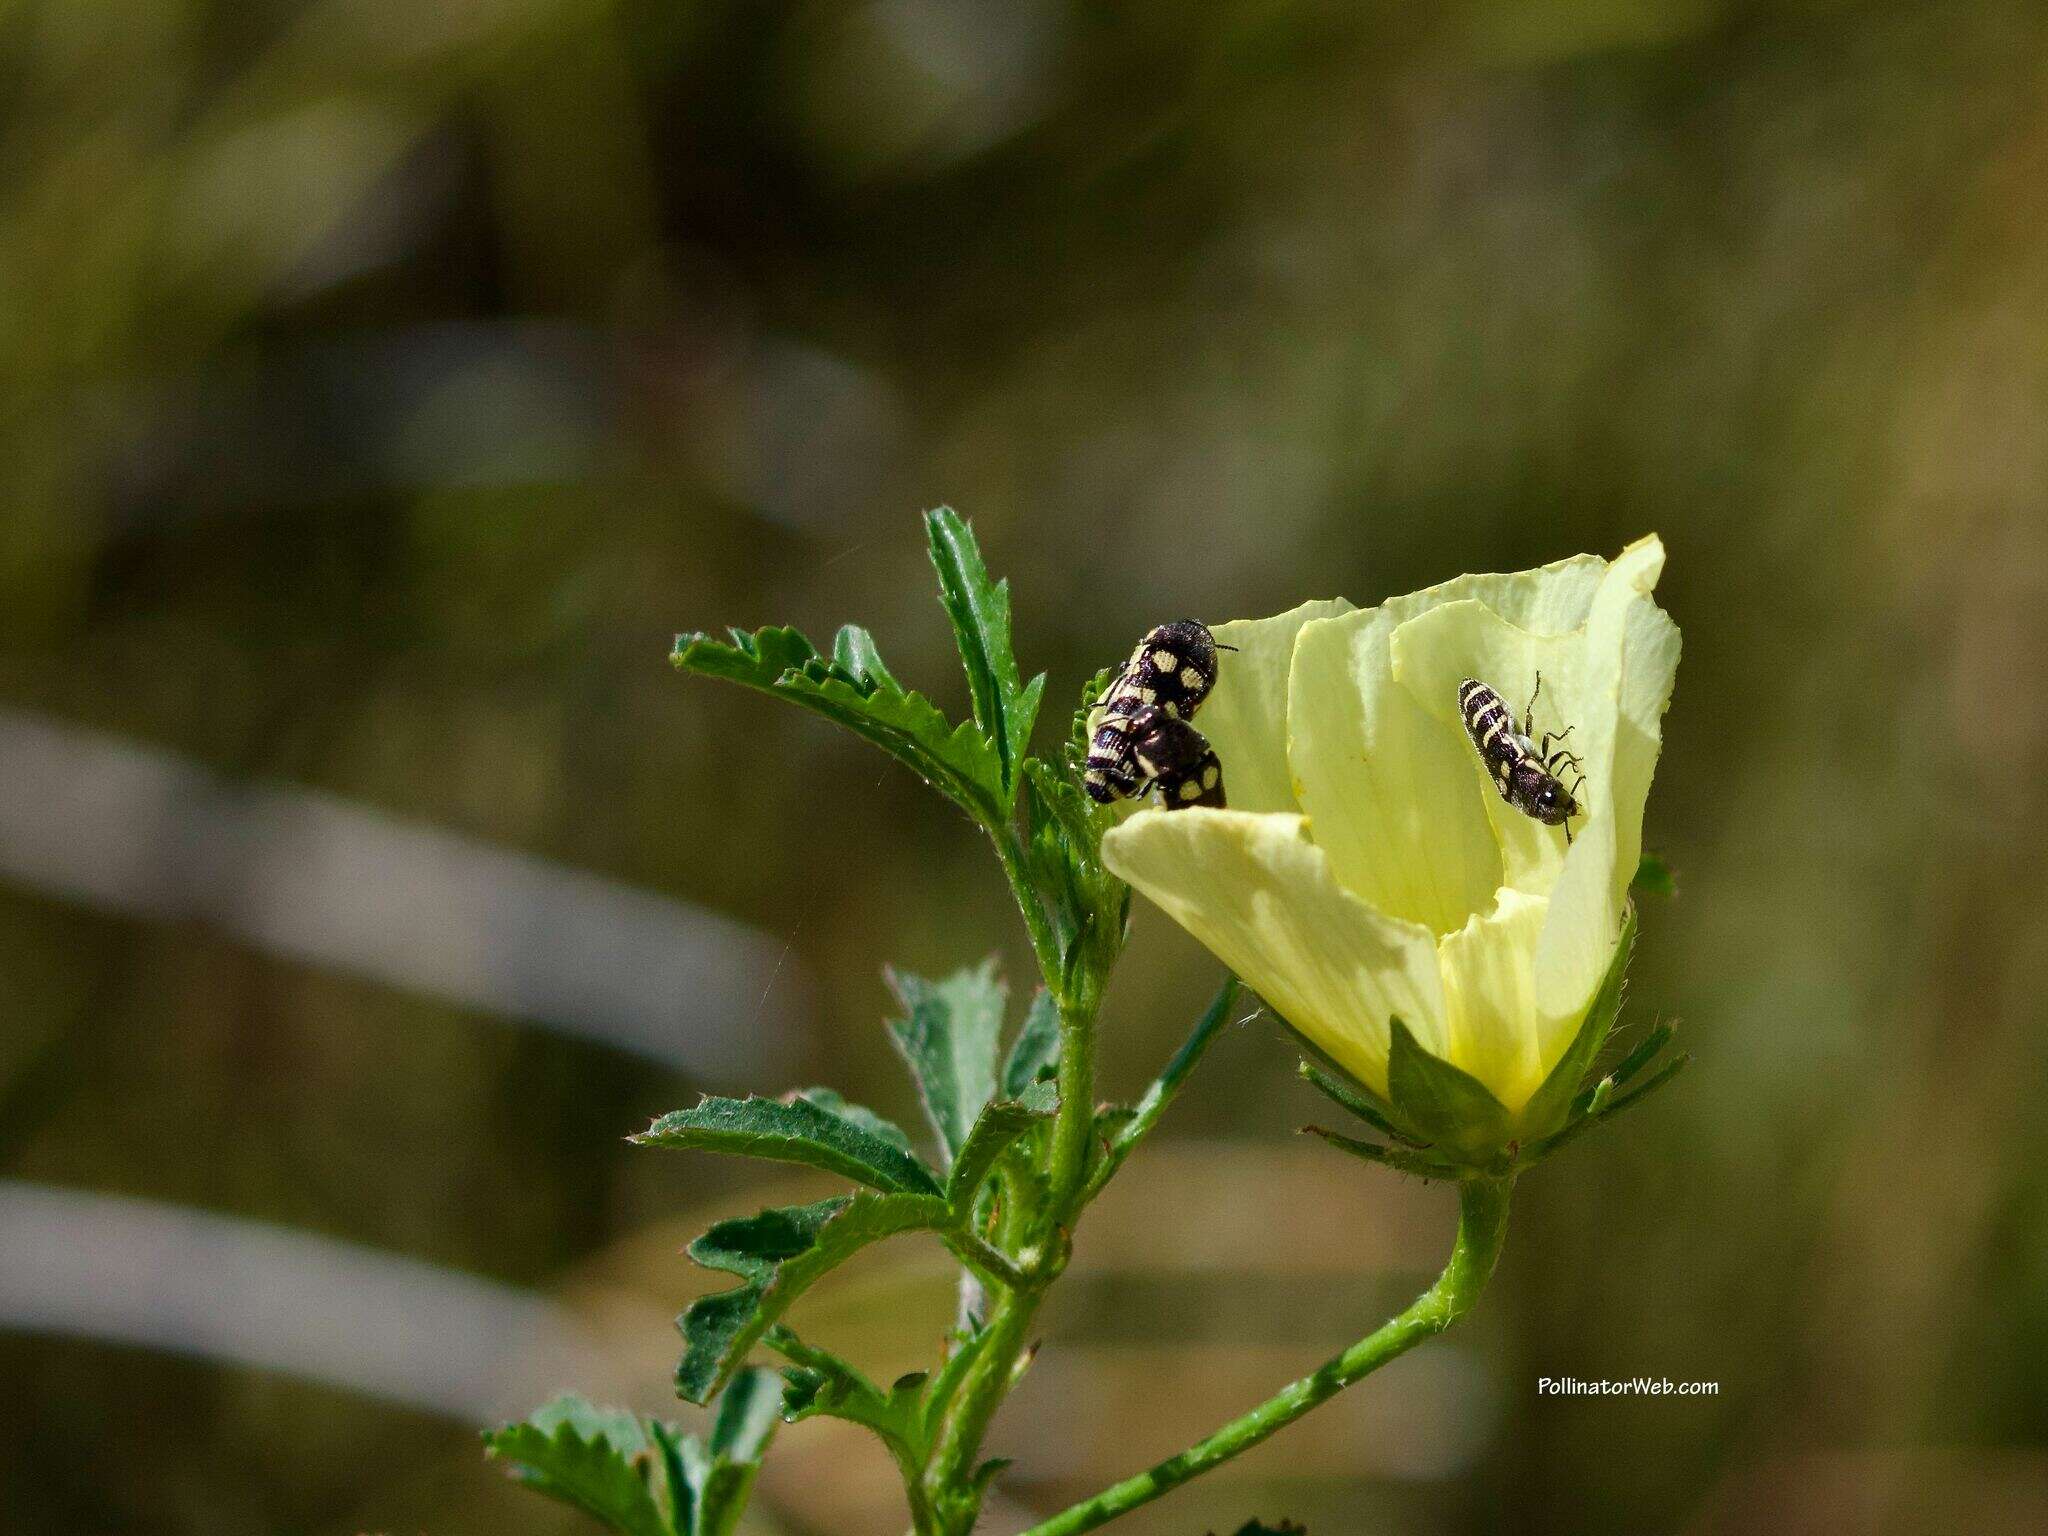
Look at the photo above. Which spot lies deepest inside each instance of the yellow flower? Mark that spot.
(1367, 870)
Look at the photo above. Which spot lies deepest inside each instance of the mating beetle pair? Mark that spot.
(1141, 737)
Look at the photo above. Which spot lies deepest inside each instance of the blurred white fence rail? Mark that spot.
(317, 879)
(219, 1288)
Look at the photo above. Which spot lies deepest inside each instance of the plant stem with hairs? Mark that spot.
(1482, 1228)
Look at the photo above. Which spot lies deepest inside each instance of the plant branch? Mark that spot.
(1163, 1088)
(983, 1259)
(1482, 1226)
(948, 1484)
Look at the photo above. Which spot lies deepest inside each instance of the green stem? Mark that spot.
(948, 1485)
(1073, 1125)
(1482, 1226)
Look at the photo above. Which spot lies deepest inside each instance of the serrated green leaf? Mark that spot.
(820, 1383)
(1548, 1106)
(1036, 1050)
(999, 1124)
(792, 1131)
(594, 1459)
(817, 1381)
(1004, 706)
(710, 1485)
(1444, 1105)
(1655, 877)
(948, 1034)
(803, 1392)
(833, 1103)
(854, 652)
(779, 1254)
(669, 1442)
(861, 695)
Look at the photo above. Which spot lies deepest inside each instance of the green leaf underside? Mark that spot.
(1004, 706)
(1548, 1106)
(748, 1411)
(997, 1126)
(677, 1467)
(721, 1476)
(1655, 877)
(792, 1131)
(1035, 1053)
(594, 1459)
(1443, 1104)
(855, 691)
(948, 1035)
(779, 1254)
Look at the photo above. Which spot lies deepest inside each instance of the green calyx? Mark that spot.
(1439, 1122)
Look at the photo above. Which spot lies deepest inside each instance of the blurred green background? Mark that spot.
(381, 385)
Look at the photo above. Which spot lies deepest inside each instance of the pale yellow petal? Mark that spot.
(1435, 652)
(1376, 778)
(1586, 903)
(1386, 791)
(1491, 1015)
(1262, 898)
(1245, 717)
(1550, 600)
(1649, 668)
